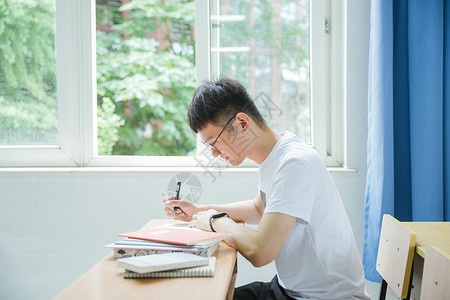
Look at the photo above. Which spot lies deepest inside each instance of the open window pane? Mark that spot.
(265, 45)
(28, 101)
(145, 77)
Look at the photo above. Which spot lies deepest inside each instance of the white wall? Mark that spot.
(54, 223)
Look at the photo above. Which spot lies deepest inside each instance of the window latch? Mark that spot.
(327, 25)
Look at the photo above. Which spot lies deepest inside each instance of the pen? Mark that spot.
(177, 196)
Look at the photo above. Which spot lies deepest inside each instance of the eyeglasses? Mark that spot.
(212, 145)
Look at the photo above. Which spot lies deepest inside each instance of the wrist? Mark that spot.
(203, 207)
(214, 217)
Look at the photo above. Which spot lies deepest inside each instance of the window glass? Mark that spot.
(145, 77)
(265, 45)
(28, 101)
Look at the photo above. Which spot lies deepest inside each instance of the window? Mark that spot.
(85, 110)
(145, 77)
(265, 45)
(272, 46)
(55, 137)
(28, 108)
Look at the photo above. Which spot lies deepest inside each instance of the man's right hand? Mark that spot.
(185, 209)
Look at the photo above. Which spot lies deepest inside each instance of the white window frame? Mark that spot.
(327, 51)
(76, 90)
(68, 44)
(326, 73)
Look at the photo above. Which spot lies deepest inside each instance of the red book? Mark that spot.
(176, 235)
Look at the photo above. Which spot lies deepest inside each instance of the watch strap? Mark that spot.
(215, 216)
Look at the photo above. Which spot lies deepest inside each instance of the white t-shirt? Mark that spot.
(319, 258)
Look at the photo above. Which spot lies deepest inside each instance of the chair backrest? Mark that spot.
(395, 255)
(436, 276)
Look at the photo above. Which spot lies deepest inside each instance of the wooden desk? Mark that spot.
(435, 234)
(105, 281)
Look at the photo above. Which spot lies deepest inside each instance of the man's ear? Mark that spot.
(244, 120)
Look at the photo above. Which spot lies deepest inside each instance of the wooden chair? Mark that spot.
(436, 276)
(395, 257)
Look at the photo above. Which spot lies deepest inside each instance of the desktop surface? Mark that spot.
(105, 280)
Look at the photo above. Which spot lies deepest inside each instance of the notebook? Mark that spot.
(174, 235)
(203, 271)
(161, 262)
(127, 250)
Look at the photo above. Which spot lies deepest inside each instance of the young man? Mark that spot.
(303, 225)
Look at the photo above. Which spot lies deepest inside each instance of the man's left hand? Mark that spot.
(201, 219)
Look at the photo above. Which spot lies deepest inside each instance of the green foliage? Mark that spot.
(108, 125)
(151, 87)
(145, 70)
(278, 34)
(176, 15)
(27, 73)
(154, 85)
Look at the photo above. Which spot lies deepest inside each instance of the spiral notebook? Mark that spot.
(203, 271)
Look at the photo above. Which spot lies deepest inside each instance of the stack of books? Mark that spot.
(165, 239)
(167, 251)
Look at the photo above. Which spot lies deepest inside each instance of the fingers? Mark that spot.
(204, 214)
(167, 199)
(169, 211)
(201, 219)
(178, 215)
(194, 220)
(178, 209)
(173, 209)
(171, 204)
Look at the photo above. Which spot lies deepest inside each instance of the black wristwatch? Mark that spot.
(215, 216)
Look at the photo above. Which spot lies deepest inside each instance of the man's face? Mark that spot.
(228, 146)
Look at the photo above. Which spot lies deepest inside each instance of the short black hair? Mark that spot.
(217, 101)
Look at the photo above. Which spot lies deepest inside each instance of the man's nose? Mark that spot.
(215, 152)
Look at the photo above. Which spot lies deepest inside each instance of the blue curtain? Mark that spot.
(408, 150)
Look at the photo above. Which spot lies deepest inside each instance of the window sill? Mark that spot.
(155, 169)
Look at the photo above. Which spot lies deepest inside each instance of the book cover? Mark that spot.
(121, 251)
(137, 242)
(161, 262)
(203, 271)
(174, 235)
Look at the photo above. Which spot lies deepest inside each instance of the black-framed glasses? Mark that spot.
(212, 145)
